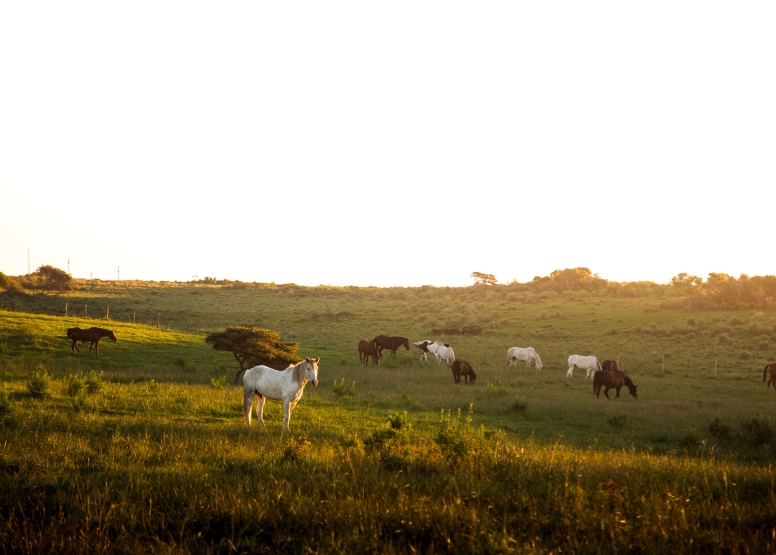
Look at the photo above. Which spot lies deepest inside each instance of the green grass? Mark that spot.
(396, 458)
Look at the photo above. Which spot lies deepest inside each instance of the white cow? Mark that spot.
(445, 354)
(428, 347)
(589, 364)
(527, 355)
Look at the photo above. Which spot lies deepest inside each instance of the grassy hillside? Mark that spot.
(389, 459)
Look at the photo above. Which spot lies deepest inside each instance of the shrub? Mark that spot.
(38, 384)
(690, 438)
(295, 448)
(182, 363)
(764, 345)
(691, 322)
(76, 383)
(398, 421)
(219, 382)
(520, 407)
(94, 382)
(720, 430)
(378, 438)
(618, 420)
(5, 403)
(735, 321)
(342, 390)
(758, 431)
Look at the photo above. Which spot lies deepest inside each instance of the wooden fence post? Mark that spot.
(107, 314)
(66, 310)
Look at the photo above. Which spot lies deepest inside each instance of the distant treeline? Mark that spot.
(718, 291)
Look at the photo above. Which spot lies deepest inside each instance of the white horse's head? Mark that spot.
(312, 370)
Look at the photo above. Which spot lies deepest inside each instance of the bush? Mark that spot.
(182, 363)
(76, 383)
(691, 437)
(520, 407)
(219, 383)
(758, 431)
(38, 384)
(5, 403)
(618, 420)
(295, 448)
(398, 421)
(342, 390)
(94, 382)
(720, 430)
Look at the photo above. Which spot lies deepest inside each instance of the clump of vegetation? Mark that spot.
(758, 431)
(618, 420)
(219, 382)
(295, 448)
(183, 363)
(519, 407)
(94, 382)
(494, 389)
(456, 439)
(75, 384)
(721, 430)
(5, 403)
(342, 390)
(691, 437)
(39, 383)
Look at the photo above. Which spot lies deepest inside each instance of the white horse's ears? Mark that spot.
(317, 360)
(307, 359)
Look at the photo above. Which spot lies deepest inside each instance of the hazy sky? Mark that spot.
(387, 143)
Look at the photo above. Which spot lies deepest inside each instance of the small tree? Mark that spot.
(8, 283)
(253, 346)
(53, 279)
(484, 279)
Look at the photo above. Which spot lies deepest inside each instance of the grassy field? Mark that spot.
(392, 459)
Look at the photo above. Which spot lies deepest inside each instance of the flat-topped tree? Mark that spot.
(484, 279)
(254, 346)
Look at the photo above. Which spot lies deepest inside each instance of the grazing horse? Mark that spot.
(92, 335)
(429, 347)
(462, 368)
(368, 349)
(527, 355)
(770, 373)
(610, 366)
(445, 354)
(612, 379)
(589, 364)
(282, 385)
(391, 343)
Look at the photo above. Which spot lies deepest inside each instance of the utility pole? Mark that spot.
(28, 260)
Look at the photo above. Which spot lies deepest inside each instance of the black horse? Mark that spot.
(93, 335)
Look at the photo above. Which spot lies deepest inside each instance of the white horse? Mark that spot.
(445, 354)
(589, 364)
(428, 347)
(527, 355)
(282, 385)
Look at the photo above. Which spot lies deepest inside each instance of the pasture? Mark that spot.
(391, 459)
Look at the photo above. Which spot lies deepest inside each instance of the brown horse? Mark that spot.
(368, 349)
(610, 366)
(462, 368)
(391, 343)
(770, 373)
(93, 335)
(611, 380)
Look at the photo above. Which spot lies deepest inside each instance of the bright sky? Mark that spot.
(387, 143)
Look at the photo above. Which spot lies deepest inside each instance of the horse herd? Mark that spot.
(288, 385)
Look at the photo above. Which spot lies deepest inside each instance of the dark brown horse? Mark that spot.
(93, 335)
(610, 380)
(368, 349)
(391, 343)
(770, 373)
(462, 368)
(610, 366)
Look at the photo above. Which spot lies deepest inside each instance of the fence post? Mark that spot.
(107, 314)
(66, 310)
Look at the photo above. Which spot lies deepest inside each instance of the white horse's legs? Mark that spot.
(288, 407)
(260, 411)
(247, 402)
(570, 371)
